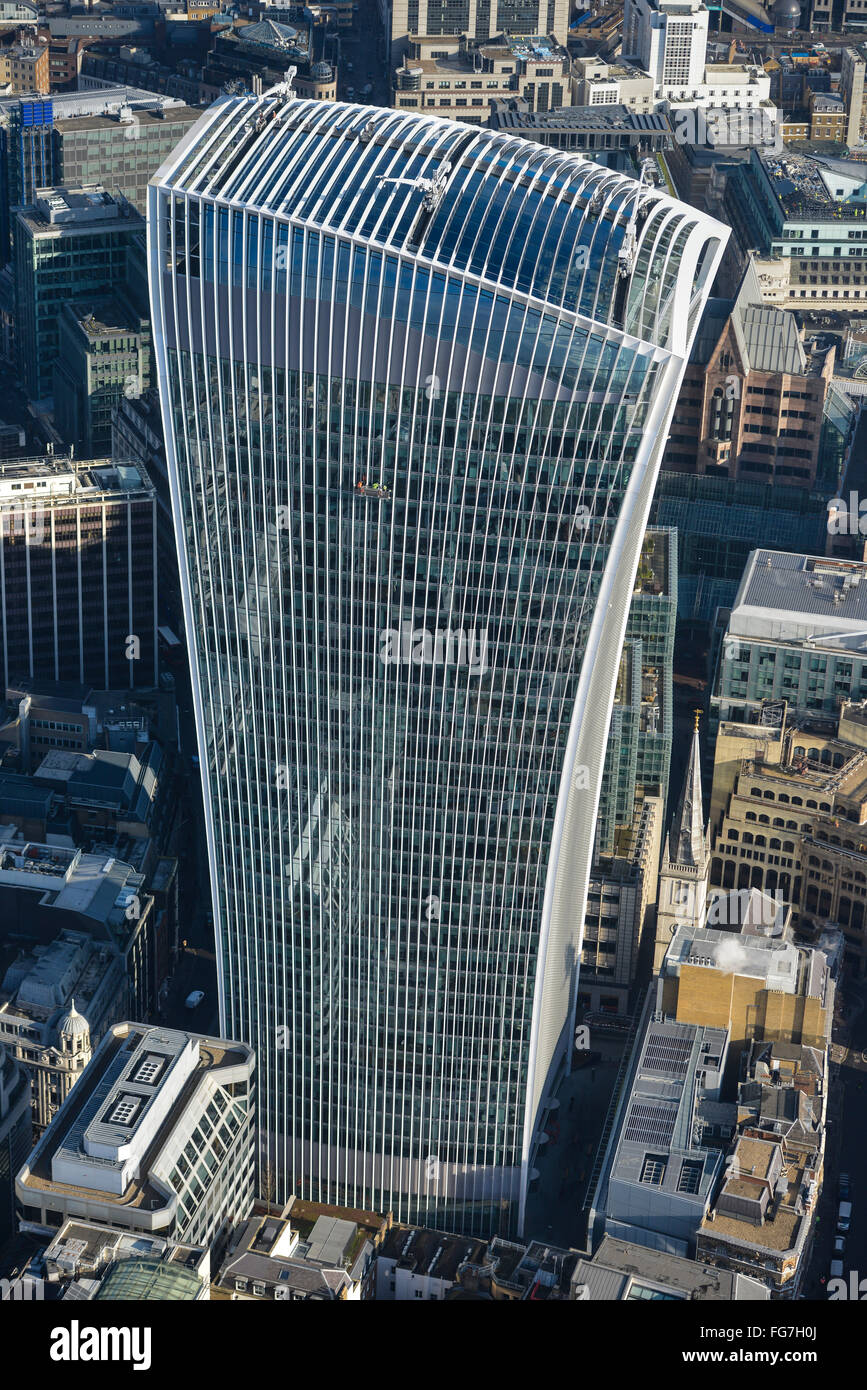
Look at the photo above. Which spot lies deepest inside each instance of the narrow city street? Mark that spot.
(847, 1139)
(363, 59)
(555, 1209)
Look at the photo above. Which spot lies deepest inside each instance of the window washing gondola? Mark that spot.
(367, 489)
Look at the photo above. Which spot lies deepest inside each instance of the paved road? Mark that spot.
(364, 48)
(197, 965)
(847, 1139)
(555, 1209)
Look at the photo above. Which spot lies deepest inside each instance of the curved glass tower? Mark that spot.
(416, 379)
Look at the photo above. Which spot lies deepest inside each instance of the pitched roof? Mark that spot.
(686, 839)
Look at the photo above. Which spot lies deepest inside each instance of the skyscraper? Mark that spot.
(669, 39)
(415, 380)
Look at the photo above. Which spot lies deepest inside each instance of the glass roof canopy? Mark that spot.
(554, 226)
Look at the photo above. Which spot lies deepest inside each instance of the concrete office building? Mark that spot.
(460, 80)
(71, 244)
(78, 565)
(853, 64)
(308, 1252)
(621, 903)
(756, 982)
(16, 1133)
(103, 358)
(24, 68)
(763, 1215)
(156, 1137)
(404, 20)
(661, 1170)
(622, 895)
(413, 1263)
(752, 402)
(668, 40)
(621, 1271)
(40, 1024)
(796, 632)
(604, 133)
(789, 813)
(116, 136)
(807, 219)
(513, 719)
(86, 1261)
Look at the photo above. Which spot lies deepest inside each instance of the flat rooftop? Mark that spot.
(786, 596)
(604, 119)
(165, 117)
(801, 191)
(122, 1111)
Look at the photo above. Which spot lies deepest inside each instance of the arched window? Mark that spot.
(774, 843)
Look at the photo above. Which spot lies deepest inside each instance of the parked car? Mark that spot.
(843, 1187)
(844, 1216)
(836, 1269)
(350, 93)
(194, 999)
(839, 1245)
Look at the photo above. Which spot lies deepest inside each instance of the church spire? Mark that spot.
(686, 840)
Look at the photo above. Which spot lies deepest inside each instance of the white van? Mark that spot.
(844, 1216)
(836, 1269)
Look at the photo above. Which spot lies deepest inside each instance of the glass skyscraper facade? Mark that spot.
(415, 380)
